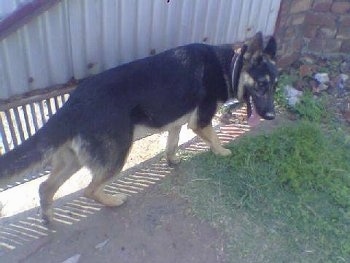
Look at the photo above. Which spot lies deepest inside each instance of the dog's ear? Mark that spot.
(255, 47)
(271, 48)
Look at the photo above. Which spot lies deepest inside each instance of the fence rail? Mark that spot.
(22, 118)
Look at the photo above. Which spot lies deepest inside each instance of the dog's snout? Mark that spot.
(270, 115)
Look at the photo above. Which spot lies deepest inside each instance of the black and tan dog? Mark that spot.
(107, 112)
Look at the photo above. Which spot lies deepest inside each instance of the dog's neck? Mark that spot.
(235, 70)
(231, 60)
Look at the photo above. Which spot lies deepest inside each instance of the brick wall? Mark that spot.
(320, 27)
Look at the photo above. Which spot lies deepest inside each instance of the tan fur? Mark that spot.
(104, 152)
(71, 156)
(67, 160)
(209, 135)
(95, 192)
(172, 143)
(64, 164)
(244, 79)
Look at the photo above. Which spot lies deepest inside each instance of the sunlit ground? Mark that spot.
(134, 179)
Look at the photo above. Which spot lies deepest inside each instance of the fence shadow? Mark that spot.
(20, 229)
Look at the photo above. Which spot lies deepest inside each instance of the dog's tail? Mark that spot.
(34, 152)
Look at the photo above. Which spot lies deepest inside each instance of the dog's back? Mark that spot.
(97, 125)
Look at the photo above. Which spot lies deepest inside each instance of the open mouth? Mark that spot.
(253, 117)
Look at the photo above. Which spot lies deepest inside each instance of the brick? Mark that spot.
(345, 47)
(332, 45)
(282, 21)
(322, 7)
(320, 45)
(344, 21)
(300, 6)
(326, 32)
(341, 7)
(297, 44)
(288, 59)
(316, 45)
(310, 31)
(343, 33)
(285, 7)
(322, 1)
(298, 19)
(282, 47)
(320, 19)
(290, 32)
(279, 32)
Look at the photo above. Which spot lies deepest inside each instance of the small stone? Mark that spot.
(323, 82)
(293, 95)
(344, 77)
(322, 77)
(322, 87)
(345, 67)
(308, 59)
(314, 85)
(341, 83)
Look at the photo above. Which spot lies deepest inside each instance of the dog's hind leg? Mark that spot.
(171, 146)
(209, 135)
(64, 164)
(95, 190)
(104, 173)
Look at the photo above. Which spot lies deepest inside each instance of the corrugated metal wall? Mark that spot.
(76, 38)
(8, 6)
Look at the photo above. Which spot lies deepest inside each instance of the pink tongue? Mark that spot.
(254, 118)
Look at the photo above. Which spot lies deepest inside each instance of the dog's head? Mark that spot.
(257, 78)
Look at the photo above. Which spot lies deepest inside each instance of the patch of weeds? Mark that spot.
(311, 108)
(281, 197)
(283, 80)
(331, 66)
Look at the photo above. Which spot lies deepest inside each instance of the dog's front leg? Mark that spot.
(209, 135)
(171, 146)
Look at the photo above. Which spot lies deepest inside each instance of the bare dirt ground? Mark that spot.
(152, 226)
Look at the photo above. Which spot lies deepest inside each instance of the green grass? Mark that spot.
(282, 196)
(284, 79)
(312, 108)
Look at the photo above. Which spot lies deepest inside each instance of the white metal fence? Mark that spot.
(76, 38)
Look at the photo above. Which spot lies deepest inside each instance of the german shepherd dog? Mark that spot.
(107, 112)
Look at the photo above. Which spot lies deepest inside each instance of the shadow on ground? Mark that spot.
(153, 226)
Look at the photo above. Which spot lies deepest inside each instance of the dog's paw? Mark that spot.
(111, 200)
(222, 152)
(226, 152)
(173, 161)
(47, 216)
